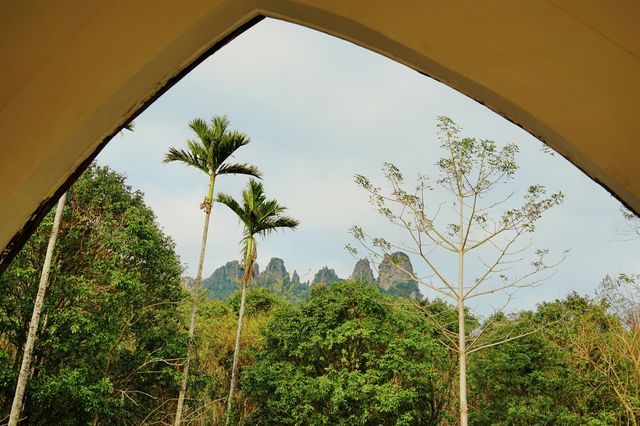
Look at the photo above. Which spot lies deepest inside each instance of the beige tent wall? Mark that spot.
(73, 72)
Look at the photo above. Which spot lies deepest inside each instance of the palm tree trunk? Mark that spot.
(208, 204)
(16, 407)
(249, 258)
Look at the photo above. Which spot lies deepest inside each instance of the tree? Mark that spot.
(211, 364)
(110, 334)
(470, 170)
(210, 154)
(350, 355)
(37, 308)
(615, 354)
(16, 407)
(617, 357)
(550, 377)
(631, 228)
(260, 217)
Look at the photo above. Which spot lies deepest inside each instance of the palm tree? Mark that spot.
(260, 217)
(210, 154)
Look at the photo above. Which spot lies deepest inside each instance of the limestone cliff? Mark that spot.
(325, 276)
(395, 275)
(274, 273)
(362, 272)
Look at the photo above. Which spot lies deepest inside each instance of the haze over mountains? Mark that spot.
(393, 278)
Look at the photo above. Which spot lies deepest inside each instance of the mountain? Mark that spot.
(295, 278)
(188, 283)
(362, 272)
(226, 279)
(395, 278)
(325, 276)
(275, 272)
(392, 277)
(395, 275)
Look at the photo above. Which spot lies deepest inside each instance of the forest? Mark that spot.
(123, 339)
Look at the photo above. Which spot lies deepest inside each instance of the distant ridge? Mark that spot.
(392, 278)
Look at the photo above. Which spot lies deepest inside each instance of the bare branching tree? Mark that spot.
(484, 224)
(611, 350)
(630, 229)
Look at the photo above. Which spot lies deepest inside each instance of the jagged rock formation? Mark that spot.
(295, 278)
(362, 272)
(395, 275)
(275, 272)
(225, 280)
(392, 279)
(391, 270)
(188, 283)
(231, 271)
(325, 276)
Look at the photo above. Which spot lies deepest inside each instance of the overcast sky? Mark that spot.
(318, 110)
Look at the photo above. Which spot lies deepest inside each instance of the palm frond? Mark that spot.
(219, 125)
(259, 215)
(270, 208)
(200, 128)
(273, 224)
(214, 145)
(230, 202)
(188, 157)
(239, 169)
(201, 154)
(253, 196)
(228, 143)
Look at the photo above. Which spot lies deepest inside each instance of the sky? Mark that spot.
(318, 111)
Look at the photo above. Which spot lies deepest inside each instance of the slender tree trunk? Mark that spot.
(249, 256)
(462, 337)
(208, 204)
(462, 364)
(16, 407)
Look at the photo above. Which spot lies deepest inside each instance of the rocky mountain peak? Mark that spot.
(231, 271)
(275, 272)
(295, 278)
(325, 276)
(226, 279)
(362, 272)
(394, 269)
(188, 283)
(395, 278)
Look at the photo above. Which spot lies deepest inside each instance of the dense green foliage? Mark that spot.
(349, 356)
(111, 334)
(543, 378)
(215, 334)
(404, 289)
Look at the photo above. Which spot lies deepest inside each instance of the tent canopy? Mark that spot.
(74, 72)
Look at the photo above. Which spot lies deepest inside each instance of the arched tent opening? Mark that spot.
(566, 71)
(347, 205)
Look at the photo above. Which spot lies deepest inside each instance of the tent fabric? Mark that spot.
(75, 72)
